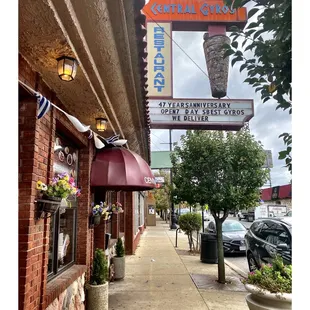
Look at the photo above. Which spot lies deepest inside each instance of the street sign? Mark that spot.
(268, 162)
(159, 179)
(212, 114)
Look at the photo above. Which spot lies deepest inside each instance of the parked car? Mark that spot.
(289, 213)
(233, 235)
(266, 238)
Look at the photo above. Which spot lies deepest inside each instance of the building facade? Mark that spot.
(106, 37)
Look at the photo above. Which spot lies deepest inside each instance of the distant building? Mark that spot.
(278, 194)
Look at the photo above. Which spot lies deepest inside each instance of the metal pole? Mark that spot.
(203, 221)
(172, 216)
(269, 178)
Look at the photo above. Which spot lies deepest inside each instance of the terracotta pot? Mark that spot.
(97, 296)
(260, 299)
(119, 267)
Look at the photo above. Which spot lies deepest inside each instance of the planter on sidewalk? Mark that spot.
(98, 288)
(119, 267)
(119, 260)
(259, 299)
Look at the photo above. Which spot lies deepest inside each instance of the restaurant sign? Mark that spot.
(212, 114)
(201, 12)
(159, 59)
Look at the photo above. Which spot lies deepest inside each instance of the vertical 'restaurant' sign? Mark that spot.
(159, 59)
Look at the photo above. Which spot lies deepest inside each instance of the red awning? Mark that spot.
(120, 169)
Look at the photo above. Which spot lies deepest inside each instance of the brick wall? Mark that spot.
(129, 218)
(36, 144)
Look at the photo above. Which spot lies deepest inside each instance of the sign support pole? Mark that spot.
(172, 216)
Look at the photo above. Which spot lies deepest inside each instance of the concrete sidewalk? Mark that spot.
(160, 276)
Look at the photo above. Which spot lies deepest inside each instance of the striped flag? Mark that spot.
(44, 105)
(112, 139)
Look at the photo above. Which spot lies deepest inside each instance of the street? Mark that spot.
(240, 261)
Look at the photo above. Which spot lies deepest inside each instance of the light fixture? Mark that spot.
(101, 124)
(67, 67)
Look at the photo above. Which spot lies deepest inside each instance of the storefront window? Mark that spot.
(138, 210)
(62, 239)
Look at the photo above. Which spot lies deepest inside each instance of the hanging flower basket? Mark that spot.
(96, 219)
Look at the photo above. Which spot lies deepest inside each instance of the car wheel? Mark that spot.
(252, 262)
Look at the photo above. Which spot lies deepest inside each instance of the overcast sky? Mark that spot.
(189, 82)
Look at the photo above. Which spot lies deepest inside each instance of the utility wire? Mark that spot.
(178, 45)
(155, 146)
(159, 138)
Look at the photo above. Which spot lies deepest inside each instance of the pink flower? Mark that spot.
(71, 180)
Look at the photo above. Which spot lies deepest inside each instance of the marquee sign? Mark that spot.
(201, 12)
(212, 114)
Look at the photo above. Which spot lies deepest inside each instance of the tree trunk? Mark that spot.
(220, 251)
(198, 243)
(161, 214)
(189, 241)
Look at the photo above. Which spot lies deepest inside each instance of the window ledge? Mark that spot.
(56, 286)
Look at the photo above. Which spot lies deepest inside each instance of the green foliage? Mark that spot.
(100, 268)
(162, 195)
(190, 222)
(119, 248)
(269, 68)
(275, 277)
(223, 171)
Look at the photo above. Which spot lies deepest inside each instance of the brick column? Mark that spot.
(35, 143)
(113, 197)
(84, 234)
(129, 221)
(99, 235)
(122, 215)
(115, 226)
(121, 222)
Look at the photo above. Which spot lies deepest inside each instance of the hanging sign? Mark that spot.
(199, 13)
(212, 114)
(159, 59)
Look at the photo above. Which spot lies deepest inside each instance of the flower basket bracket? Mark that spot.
(46, 207)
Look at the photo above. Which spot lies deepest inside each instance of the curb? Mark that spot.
(236, 269)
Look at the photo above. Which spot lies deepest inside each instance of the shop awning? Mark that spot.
(117, 168)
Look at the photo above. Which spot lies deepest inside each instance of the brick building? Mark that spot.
(106, 37)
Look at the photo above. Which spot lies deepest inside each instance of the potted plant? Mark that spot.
(117, 207)
(270, 287)
(119, 260)
(99, 211)
(57, 192)
(97, 289)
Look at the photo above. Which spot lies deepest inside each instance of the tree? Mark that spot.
(190, 223)
(223, 170)
(162, 194)
(269, 68)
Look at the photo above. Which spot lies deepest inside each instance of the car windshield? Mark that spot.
(232, 226)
